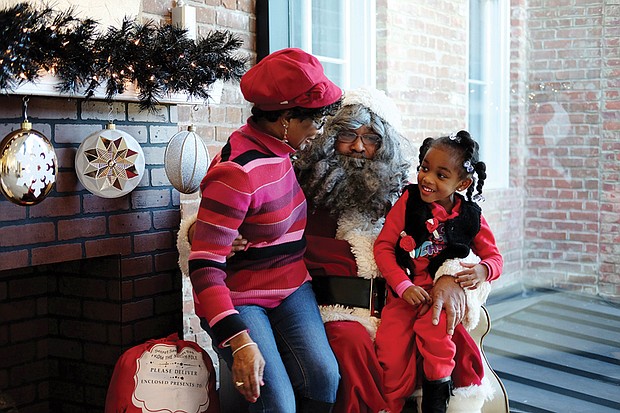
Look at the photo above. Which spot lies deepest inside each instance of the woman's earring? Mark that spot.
(285, 137)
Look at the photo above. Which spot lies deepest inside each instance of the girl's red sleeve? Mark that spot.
(485, 247)
(384, 248)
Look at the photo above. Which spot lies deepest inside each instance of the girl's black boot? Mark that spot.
(436, 395)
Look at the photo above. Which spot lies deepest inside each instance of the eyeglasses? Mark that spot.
(367, 139)
(319, 122)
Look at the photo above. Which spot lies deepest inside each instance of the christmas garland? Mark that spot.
(159, 60)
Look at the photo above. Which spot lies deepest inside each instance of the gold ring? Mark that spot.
(239, 383)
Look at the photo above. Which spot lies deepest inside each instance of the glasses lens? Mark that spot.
(371, 139)
(347, 137)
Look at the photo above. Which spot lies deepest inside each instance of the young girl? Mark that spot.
(430, 223)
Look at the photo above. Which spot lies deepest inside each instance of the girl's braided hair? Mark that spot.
(465, 150)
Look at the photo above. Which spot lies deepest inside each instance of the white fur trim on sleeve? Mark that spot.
(183, 245)
(475, 298)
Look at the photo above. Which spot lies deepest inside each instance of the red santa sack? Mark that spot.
(165, 376)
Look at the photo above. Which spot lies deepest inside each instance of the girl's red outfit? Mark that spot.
(403, 334)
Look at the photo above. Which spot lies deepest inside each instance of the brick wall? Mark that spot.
(61, 334)
(572, 205)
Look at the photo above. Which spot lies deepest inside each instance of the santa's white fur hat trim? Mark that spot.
(377, 101)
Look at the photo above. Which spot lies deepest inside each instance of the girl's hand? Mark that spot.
(415, 295)
(472, 276)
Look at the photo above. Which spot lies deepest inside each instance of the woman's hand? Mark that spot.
(238, 244)
(415, 295)
(472, 276)
(248, 367)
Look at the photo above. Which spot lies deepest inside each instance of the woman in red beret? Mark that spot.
(258, 307)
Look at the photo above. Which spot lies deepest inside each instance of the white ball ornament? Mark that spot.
(110, 163)
(186, 160)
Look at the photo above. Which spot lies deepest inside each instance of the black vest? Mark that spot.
(459, 232)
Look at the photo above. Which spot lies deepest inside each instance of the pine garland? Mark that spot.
(159, 60)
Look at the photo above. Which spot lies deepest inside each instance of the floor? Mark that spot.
(556, 352)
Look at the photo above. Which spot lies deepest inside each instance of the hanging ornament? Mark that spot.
(109, 163)
(28, 164)
(186, 160)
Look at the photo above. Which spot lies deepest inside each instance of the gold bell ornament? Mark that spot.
(109, 163)
(186, 160)
(28, 165)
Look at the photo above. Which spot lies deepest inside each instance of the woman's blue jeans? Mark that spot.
(299, 364)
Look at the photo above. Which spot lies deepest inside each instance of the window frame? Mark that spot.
(273, 27)
(494, 133)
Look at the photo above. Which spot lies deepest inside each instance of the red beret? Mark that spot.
(288, 78)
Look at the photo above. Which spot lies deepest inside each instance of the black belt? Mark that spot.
(351, 291)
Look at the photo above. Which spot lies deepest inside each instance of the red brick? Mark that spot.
(67, 182)
(167, 261)
(81, 228)
(83, 330)
(108, 246)
(27, 234)
(28, 286)
(10, 211)
(94, 204)
(129, 223)
(132, 266)
(100, 310)
(17, 310)
(152, 242)
(167, 219)
(153, 285)
(29, 330)
(14, 259)
(150, 198)
(137, 310)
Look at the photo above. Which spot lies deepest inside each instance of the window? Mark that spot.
(340, 33)
(489, 30)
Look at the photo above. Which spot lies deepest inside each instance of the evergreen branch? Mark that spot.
(158, 60)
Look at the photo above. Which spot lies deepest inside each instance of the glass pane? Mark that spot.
(476, 110)
(335, 72)
(476, 39)
(328, 28)
(297, 23)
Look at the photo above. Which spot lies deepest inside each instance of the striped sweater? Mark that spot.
(251, 189)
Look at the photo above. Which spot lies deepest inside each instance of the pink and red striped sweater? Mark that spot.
(251, 189)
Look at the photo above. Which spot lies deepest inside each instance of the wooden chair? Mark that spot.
(499, 402)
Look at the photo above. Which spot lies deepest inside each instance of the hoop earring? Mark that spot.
(285, 137)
